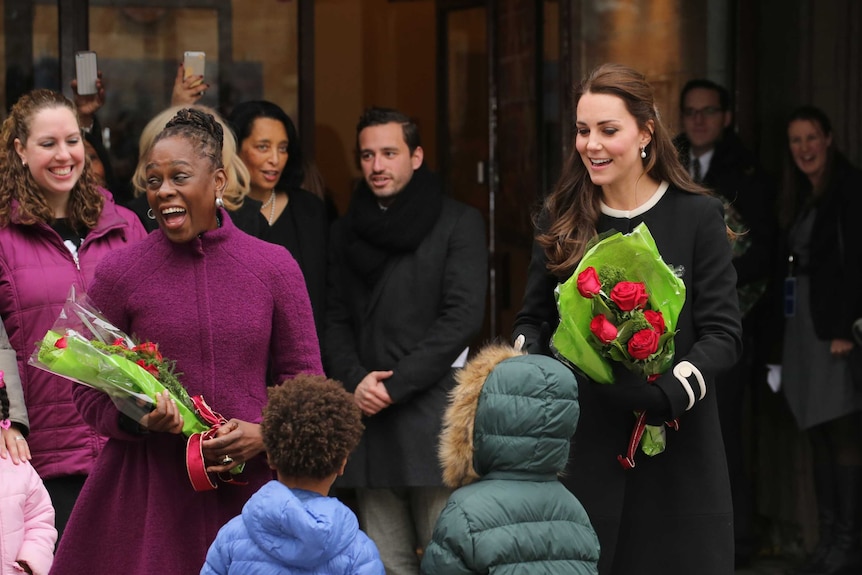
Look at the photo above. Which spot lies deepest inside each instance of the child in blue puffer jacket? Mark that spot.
(309, 427)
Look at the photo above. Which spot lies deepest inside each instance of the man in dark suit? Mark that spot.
(406, 294)
(717, 159)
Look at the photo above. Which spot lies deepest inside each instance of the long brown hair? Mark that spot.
(17, 183)
(573, 207)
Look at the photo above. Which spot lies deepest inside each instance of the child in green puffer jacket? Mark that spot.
(505, 438)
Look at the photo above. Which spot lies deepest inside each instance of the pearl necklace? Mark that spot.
(271, 203)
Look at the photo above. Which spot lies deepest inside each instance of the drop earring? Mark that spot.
(643, 151)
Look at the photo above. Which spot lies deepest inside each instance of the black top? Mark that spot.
(303, 228)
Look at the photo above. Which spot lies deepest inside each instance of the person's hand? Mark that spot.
(840, 347)
(13, 444)
(189, 90)
(235, 442)
(165, 417)
(88, 105)
(371, 395)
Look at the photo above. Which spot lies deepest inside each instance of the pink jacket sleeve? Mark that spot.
(37, 549)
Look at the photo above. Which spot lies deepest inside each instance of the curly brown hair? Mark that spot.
(17, 183)
(309, 427)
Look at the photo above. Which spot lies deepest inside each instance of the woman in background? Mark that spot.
(269, 147)
(820, 205)
(55, 226)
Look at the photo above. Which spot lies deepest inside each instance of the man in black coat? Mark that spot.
(406, 295)
(717, 159)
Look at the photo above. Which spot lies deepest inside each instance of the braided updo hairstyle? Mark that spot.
(199, 128)
(4, 401)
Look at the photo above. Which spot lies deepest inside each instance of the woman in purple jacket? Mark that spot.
(55, 226)
(232, 311)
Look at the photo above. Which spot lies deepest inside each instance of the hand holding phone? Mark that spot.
(86, 72)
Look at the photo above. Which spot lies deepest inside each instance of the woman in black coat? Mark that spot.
(820, 207)
(672, 512)
(269, 146)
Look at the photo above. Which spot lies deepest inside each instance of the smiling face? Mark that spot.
(264, 153)
(609, 141)
(809, 147)
(182, 186)
(386, 161)
(54, 151)
(703, 119)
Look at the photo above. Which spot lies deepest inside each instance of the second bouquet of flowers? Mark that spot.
(86, 348)
(621, 305)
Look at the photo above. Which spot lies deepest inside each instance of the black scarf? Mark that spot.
(373, 234)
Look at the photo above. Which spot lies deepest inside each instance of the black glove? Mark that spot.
(629, 392)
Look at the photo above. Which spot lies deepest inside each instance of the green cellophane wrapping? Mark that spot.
(637, 254)
(112, 374)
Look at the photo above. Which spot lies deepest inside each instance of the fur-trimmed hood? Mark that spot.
(509, 412)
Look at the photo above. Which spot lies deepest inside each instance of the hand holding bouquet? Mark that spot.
(84, 347)
(621, 305)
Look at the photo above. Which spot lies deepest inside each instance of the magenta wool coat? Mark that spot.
(234, 314)
(36, 272)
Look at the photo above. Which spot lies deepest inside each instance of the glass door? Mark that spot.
(464, 121)
(29, 52)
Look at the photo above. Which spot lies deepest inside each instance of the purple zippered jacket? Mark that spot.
(36, 273)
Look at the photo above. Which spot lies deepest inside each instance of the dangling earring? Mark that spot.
(643, 151)
(219, 203)
(150, 214)
(23, 162)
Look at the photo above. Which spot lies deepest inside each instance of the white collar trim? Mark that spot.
(643, 208)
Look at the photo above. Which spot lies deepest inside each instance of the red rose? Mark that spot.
(148, 349)
(119, 342)
(643, 344)
(154, 371)
(629, 295)
(656, 320)
(588, 282)
(603, 329)
(61, 343)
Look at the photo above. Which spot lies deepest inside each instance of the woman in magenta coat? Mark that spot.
(232, 311)
(55, 226)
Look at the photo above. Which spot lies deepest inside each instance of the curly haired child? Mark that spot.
(309, 427)
(27, 532)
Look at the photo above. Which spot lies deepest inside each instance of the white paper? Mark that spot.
(773, 377)
(462, 359)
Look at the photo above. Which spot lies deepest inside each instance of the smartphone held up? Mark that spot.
(86, 72)
(194, 64)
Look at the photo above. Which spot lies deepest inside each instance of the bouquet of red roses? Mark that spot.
(86, 348)
(621, 305)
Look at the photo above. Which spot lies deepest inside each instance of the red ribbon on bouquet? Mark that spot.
(195, 464)
(628, 462)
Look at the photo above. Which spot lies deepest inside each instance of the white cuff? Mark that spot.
(683, 371)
